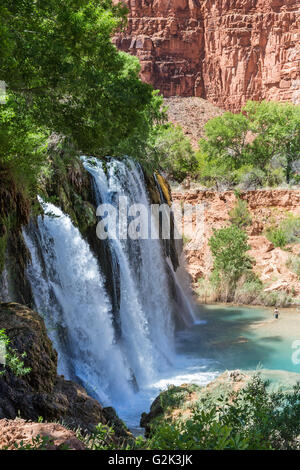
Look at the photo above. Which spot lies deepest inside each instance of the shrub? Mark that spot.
(250, 419)
(276, 299)
(246, 145)
(248, 291)
(173, 152)
(277, 236)
(228, 247)
(240, 215)
(206, 290)
(250, 178)
(12, 358)
(293, 263)
(288, 231)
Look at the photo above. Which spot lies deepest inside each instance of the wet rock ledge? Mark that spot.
(43, 393)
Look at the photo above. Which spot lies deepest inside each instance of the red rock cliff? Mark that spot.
(227, 51)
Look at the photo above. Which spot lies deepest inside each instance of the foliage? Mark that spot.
(12, 358)
(252, 418)
(254, 148)
(225, 140)
(248, 290)
(64, 75)
(293, 263)
(214, 172)
(240, 215)
(229, 247)
(37, 443)
(276, 127)
(277, 236)
(22, 146)
(171, 150)
(288, 231)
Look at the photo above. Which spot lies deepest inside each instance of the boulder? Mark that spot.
(18, 434)
(43, 393)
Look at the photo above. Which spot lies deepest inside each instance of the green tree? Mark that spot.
(66, 76)
(225, 140)
(229, 249)
(276, 127)
(263, 135)
(171, 150)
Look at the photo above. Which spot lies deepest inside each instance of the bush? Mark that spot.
(277, 236)
(250, 419)
(12, 358)
(276, 299)
(173, 152)
(228, 247)
(293, 264)
(240, 215)
(250, 178)
(256, 147)
(248, 291)
(287, 232)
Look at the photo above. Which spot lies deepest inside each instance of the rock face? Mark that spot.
(42, 393)
(51, 436)
(265, 206)
(226, 51)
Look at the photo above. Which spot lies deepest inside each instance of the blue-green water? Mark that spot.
(227, 338)
(245, 338)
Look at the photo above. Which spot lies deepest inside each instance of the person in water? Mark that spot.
(276, 313)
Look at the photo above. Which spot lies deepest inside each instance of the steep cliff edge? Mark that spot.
(225, 51)
(271, 264)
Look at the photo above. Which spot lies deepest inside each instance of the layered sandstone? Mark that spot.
(226, 51)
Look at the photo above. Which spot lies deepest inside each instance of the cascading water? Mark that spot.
(69, 292)
(145, 304)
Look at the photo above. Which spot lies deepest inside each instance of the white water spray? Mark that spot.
(69, 292)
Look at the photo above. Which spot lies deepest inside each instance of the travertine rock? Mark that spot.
(227, 51)
(18, 434)
(271, 264)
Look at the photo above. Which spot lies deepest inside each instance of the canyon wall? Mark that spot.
(226, 51)
(266, 207)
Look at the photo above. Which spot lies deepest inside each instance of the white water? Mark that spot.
(69, 293)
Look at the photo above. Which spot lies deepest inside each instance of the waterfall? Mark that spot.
(112, 353)
(145, 303)
(68, 291)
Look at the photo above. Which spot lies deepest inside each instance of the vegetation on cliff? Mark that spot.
(237, 416)
(258, 147)
(232, 278)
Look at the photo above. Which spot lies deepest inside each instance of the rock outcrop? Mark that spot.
(19, 434)
(265, 206)
(226, 51)
(177, 403)
(42, 393)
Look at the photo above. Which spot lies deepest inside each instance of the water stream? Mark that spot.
(126, 350)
